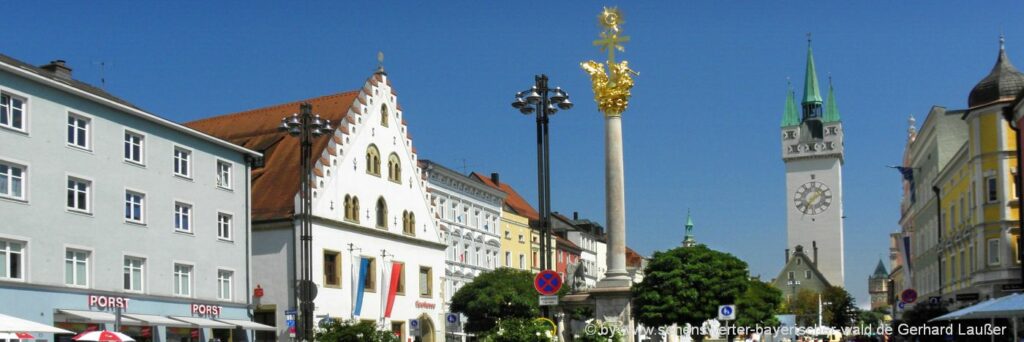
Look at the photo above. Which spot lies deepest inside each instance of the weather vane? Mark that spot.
(611, 92)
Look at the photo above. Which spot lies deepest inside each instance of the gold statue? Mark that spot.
(611, 93)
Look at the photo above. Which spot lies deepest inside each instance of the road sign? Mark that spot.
(934, 300)
(548, 300)
(726, 312)
(414, 327)
(547, 282)
(908, 296)
(307, 290)
(901, 305)
(452, 321)
(290, 321)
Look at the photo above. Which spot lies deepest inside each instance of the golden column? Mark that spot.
(611, 92)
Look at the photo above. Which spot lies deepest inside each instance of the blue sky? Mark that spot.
(701, 131)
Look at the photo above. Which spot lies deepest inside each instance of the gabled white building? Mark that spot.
(372, 225)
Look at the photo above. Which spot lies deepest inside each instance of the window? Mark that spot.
(790, 275)
(12, 112)
(508, 235)
(508, 259)
(78, 131)
(382, 213)
(963, 272)
(521, 240)
(394, 168)
(12, 259)
(133, 147)
(373, 160)
(952, 267)
(993, 251)
(332, 269)
(521, 263)
(224, 284)
(224, 226)
(991, 189)
(807, 274)
(224, 174)
(12, 181)
(182, 162)
(133, 268)
(182, 280)
(76, 268)
(400, 288)
(182, 217)
(398, 329)
(78, 194)
(408, 223)
(352, 208)
(370, 283)
(384, 116)
(426, 281)
(134, 206)
(799, 261)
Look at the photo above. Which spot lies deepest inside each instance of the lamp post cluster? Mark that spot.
(306, 126)
(544, 102)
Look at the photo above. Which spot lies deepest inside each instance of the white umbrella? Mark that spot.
(16, 336)
(102, 336)
(1005, 307)
(14, 324)
(962, 313)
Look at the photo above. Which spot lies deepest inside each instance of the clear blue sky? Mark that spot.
(701, 131)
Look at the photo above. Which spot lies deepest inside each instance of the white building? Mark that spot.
(590, 237)
(369, 206)
(108, 207)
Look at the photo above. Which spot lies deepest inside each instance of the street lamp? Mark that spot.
(306, 126)
(544, 102)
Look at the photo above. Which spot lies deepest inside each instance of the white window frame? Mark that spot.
(7, 251)
(8, 114)
(230, 226)
(189, 217)
(185, 172)
(992, 248)
(88, 194)
(9, 178)
(74, 263)
(991, 189)
(221, 182)
(230, 283)
(183, 284)
(141, 204)
(130, 157)
(87, 131)
(129, 269)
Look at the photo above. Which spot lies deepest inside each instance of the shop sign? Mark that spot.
(963, 297)
(206, 310)
(257, 292)
(425, 305)
(108, 302)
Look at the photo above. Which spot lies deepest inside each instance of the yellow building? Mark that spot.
(516, 235)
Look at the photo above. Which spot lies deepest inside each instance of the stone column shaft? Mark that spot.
(615, 204)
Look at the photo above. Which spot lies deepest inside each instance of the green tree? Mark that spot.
(805, 307)
(758, 305)
(687, 284)
(517, 330)
(841, 309)
(504, 293)
(352, 331)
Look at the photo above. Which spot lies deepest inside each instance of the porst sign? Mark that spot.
(205, 310)
(108, 302)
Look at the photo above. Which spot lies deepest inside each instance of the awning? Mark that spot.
(92, 317)
(14, 324)
(248, 325)
(203, 322)
(157, 320)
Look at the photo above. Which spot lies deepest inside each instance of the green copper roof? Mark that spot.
(689, 220)
(831, 110)
(880, 270)
(811, 92)
(789, 116)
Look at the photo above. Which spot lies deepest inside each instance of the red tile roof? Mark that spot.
(564, 243)
(275, 184)
(633, 259)
(513, 200)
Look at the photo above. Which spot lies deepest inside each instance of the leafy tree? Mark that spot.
(805, 306)
(353, 331)
(872, 318)
(687, 284)
(841, 310)
(504, 293)
(758, 305)
(517, 330)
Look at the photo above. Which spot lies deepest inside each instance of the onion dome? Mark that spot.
(1004, 82)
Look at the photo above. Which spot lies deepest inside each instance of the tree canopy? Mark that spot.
(758, 305)
(503, 293)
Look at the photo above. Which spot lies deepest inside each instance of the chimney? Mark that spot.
(787, 255)
(575, 216)
(494, 178)
(814, 244)
(59, 69)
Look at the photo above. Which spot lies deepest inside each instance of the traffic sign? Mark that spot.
(547, 282)
(726, 312)
(548, 300)
(452, 321)
(934, 300)
(414, 327)
(908, 296)
(901, 305)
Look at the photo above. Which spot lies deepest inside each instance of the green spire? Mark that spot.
(831, 110)
(880, 270)
(789, 116)
(811, 92)
(689, 240)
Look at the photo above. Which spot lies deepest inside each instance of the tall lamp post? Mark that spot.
(306, 126)
(544, 102)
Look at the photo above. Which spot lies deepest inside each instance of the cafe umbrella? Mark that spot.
(102, 336)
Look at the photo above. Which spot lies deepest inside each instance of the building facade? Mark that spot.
(377, 252)
(800, 273)
(812, 149)
(591, 239)
(515, 232)
(108, 207)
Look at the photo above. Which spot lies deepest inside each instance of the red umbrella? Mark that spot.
(102, 336)
(16, 336)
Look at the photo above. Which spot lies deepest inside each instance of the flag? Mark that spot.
(907, 270)
(396, 274)
(364, 265)
(384, 283)
(907, 172)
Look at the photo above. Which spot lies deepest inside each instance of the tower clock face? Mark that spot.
(812, 198)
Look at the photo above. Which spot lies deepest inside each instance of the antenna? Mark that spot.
(103, 72)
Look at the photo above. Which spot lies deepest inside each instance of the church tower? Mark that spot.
(812, 149)
(689, 240)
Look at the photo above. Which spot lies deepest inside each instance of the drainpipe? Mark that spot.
(938, 218)
(252, 162)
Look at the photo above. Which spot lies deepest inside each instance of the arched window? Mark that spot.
(382, 213)
(373, 160)
(355, 209)
(408, 223)
(394, 168)
(384, 115)
(351, 208)
(348, 207)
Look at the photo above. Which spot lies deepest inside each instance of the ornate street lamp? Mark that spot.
(306, 126)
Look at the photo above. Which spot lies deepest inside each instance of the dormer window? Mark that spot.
(384, 116)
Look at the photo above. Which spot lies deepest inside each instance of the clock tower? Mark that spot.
(812, 149)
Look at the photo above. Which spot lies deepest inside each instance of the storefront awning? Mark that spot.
(157, 320)
(91, 317)
(203, 322)
(248, 325)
